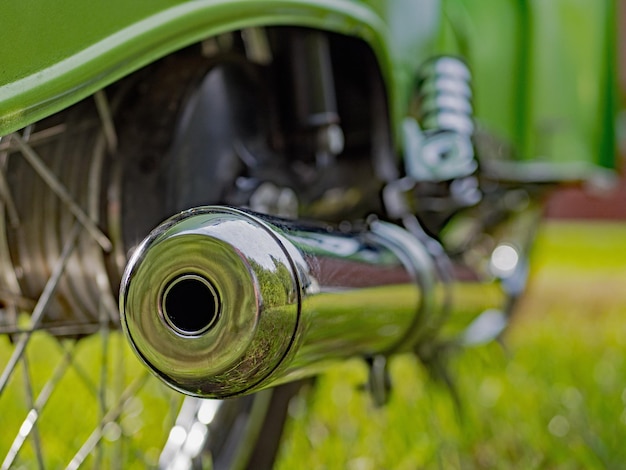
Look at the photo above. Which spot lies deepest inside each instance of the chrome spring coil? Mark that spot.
(445, 96)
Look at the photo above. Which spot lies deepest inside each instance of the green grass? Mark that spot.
(72, 413)
(552, 396)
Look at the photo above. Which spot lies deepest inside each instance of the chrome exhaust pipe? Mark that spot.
(221, 302)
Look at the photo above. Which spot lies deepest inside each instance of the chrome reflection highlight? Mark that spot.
(485, 328)
(237, 261)
(504, 260)
(286, 299)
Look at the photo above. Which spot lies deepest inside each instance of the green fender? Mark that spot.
(55, 53)
(544, 70)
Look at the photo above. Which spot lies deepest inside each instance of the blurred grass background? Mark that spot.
(71, 414)
(553, 395)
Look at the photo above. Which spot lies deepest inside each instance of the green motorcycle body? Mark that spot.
(543, 71)
(190, 116)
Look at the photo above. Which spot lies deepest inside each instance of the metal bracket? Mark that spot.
(379, 380)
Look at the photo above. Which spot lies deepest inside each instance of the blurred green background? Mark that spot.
(552, 395)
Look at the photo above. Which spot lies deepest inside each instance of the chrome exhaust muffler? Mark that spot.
(220, 302)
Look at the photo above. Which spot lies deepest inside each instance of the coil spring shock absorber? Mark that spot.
(445, 97)
(439, 142)
(439, 152)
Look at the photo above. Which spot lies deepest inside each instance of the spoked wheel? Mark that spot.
(70, 390)
(78, 191)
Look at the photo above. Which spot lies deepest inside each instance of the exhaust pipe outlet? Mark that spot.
(220, 302)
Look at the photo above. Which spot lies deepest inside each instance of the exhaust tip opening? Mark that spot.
(190, 305)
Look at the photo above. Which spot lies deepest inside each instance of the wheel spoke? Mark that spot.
(6, 198)
(36, 408)
(41, 305)
(111, 415)
(106, 117)
(61, 191)
(54, 329)
(102, 393)
(32, 424)
(80, 372)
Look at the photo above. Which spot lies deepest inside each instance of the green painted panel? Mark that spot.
(492, 50)
(56, 53)
(570, 53)
(543, 70)
(543, 75)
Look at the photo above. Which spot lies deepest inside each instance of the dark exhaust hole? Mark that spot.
(191, 305)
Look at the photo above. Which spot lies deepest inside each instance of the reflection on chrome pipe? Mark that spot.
(220, 302)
